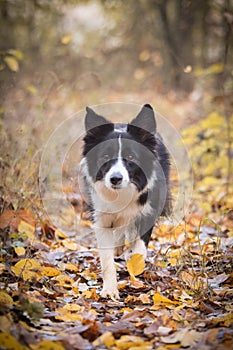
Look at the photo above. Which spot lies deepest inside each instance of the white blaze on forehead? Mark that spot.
(120, 149)
(118, 167)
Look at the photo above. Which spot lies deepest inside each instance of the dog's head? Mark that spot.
(120, 156)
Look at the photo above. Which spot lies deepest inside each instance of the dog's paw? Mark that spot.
(111, 293)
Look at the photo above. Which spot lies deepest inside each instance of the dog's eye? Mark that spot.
(106, 157)
(130, 157)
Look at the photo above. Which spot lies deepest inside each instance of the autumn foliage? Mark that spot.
(56, 58)
(180, 298)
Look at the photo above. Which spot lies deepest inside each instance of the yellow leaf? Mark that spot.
(216, 68)
(159, 299)
(6, 299)
(70, 244)
(66, 39)
(20, 250)
(139, 74)
(135, 265)
(32, 89)
(2, 267)
(88, 275)
(144, 56)
(27, 229)
(28, 268)
(71, 267)
(131, 299)
(73, 307)
(50, 271)
(213, 120)
(106, 339)
(7, 341)
(47, 345)
(60, 234)
(213, 69)
(5, 323)
(161, 263)
(125, 309)
(173, 261)
(64, 281)
(69, 313)
(132, 341)
(90, 294)
(17, 53)
(12, 63)
(226, 320)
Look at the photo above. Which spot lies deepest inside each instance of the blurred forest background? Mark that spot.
(58, 56)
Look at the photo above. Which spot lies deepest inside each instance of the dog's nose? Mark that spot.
(116, 179)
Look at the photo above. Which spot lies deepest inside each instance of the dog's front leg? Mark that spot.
(109, 273)
(106, 246)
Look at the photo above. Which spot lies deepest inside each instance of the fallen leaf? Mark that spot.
(136, 265)
(90, 294)
(32, 89)
(106, 339)
(70, 244)
(191, 279)
(69, 313)
(89, 275)
(28, 268)
(130, 341)
(60, 234)
(12, 219)
(66, 39)
(71, 267)
(26, 229)
(12, 63)
(136, 284)
(7, 341)
(131, 299)
(158, 299)
(186, 337)
(63, 281)
(226, 320)
(5, 323)
(145, 299)
(5, 298)
(20, 251)
(47, 345)
(17, 53)
(49, 271)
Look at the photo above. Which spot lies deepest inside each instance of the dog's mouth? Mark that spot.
(116, 187)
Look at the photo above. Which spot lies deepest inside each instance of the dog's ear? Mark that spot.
(93, 120)
(145, 119)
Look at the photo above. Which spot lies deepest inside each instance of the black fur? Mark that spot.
(142, 131)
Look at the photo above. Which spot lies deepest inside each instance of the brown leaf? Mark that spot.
(185, 337)
(12, 219)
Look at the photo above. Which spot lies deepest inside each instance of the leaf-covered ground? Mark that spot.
(50, 286)
(50, 282)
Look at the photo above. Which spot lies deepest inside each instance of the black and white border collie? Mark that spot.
(125, 182)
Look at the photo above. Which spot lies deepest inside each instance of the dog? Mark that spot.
(125, 183)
